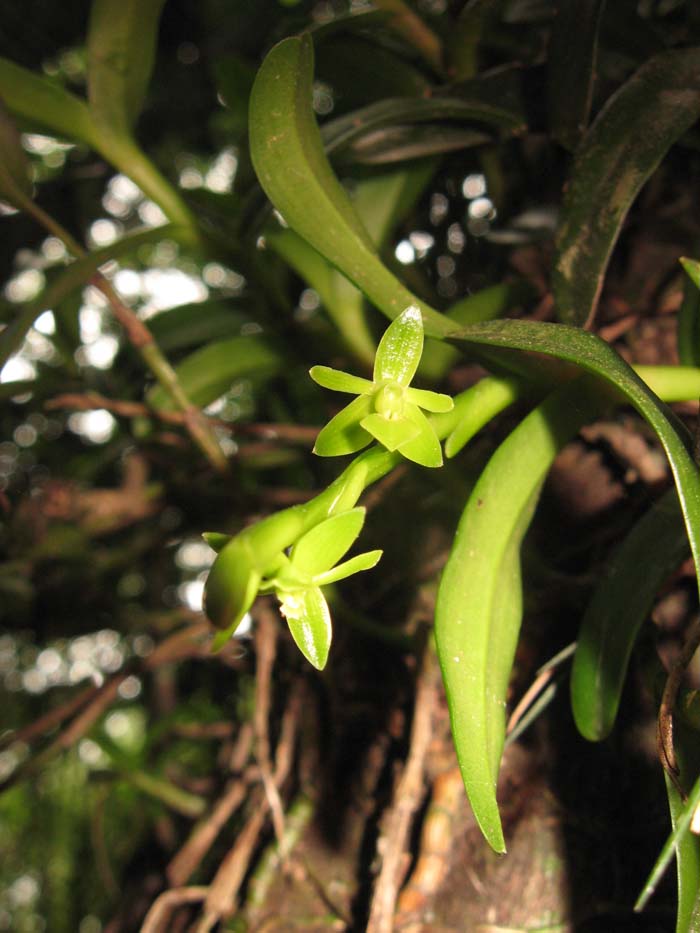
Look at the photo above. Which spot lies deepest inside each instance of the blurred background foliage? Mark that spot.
(103, 502)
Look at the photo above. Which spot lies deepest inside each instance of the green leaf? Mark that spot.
(349, 567)
(193, 324)
(121, 45)
(309, 622)
(424, 448)
(46, 105)
(620, 604)
(15, 186)
(607, 174)
(216, 540)
(692, 267)
(209, 372)
(571, 71)
(338, 381)
(400, 348)
(323, 546)
(391, 432)
(343, 433)
(291, 165)
(591, 354)
(430, 401)
(479, 602)
(488, 398)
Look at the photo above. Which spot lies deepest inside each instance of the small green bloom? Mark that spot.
(311, 564)
(387, 409)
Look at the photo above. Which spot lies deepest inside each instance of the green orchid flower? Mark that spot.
(387, 409)
(297, 580)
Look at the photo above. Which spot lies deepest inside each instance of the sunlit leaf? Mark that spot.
(339, 381)
(309, 622)
(323, 546)
(391, 432)
(349, 567)
(343, 433)
(400, 348)
(430, 401)
(424, 448)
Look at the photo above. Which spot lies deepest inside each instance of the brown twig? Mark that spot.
(158, 917)
(417, 33)
(185, 862)
(223, 891)
(409, 795)
(664, 733)
(266, 649)
(34, 730)
(89, 401)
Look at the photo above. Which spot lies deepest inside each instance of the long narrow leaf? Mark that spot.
(608, 174)
(479, 602)
(620, 604)
(121, 49)
(288, 156)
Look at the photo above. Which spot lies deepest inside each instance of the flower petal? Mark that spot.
(309, 622)
(391, 432)
(360, 562)
(400, 349)
(424, 448)
(323, 546)
(339, 381)
(343, 434)
(430, 401)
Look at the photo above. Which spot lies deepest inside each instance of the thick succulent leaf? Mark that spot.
(15, 186)
(292, 167)
(620, 604)
(479, 601)
(76, 275)
(44, 104)
(573, 48)
(400, 348)
(343, 433)
(309, 622)
(216, 540)
(210, 371)
(391, 432)
(322, 547)
(607, 174)
(121, 46)
(591, 354)
(430, 401)
(424, 448)
(338, 381)
(383, 200)
(349, 567)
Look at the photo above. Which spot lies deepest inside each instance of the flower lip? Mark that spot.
(389, 400)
